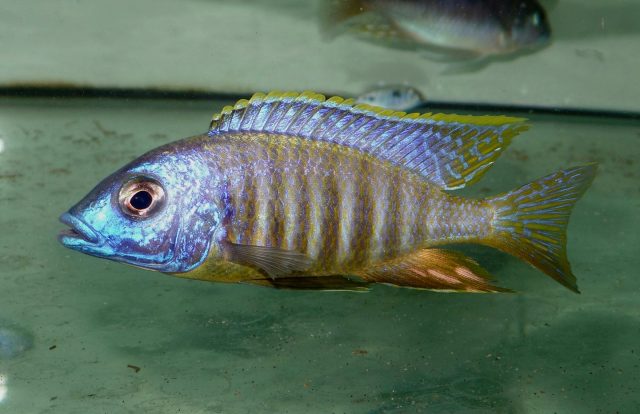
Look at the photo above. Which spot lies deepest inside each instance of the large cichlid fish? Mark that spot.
(444, 29)
(292, 190)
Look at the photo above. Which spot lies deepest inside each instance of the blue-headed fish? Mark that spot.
(295, 190)
(444, 29)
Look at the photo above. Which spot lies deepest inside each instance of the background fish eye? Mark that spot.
(535, 19)
(141, 197)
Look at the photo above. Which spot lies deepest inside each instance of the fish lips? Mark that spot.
(80, 236)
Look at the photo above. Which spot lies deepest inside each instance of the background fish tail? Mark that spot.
(338, 15)
(531, 222)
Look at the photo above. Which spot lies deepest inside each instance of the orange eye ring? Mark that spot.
(141, 197)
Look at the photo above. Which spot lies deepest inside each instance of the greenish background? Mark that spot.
(215, 348)
(76, 323)
(243, 46)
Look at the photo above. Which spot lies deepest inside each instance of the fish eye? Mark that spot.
(141, 200)
(141, 197)
(535, 19)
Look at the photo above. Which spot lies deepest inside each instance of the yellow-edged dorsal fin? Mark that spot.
(448, 150)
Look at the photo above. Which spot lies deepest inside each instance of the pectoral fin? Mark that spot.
(273, 261)
(432, 269)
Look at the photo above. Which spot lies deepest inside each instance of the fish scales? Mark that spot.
(344, 203)
(292, 190)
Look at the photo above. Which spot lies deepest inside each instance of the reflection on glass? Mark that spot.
(1, 145)
(14, 340)
(3, 387)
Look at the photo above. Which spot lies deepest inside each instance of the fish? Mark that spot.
(444, 30)
(399, 97)
(299, 191)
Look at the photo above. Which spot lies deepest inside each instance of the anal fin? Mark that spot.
(432, 269)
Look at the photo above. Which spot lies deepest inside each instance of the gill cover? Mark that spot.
(159, 212)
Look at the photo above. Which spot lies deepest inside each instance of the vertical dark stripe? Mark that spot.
(394, 226)
(363, 213)
(423, 213)
(278, 158)
(248, 201)
(289, 218)
(303, 199)
(329, 212)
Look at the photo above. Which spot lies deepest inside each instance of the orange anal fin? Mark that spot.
(433, 269)
(336, 283)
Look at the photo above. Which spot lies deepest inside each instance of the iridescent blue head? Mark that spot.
(159, 212)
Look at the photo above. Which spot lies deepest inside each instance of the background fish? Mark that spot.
(398, 97)
(444, 29)
(292, 190)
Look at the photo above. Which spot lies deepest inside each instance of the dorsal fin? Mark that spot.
(450, 151)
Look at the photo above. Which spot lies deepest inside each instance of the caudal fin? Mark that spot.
(338, 15)
(531, 222)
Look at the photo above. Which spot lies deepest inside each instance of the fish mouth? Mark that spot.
(83, 238)
(79, 235)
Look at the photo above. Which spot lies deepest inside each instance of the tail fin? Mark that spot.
(531, 222)
(337, 15)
